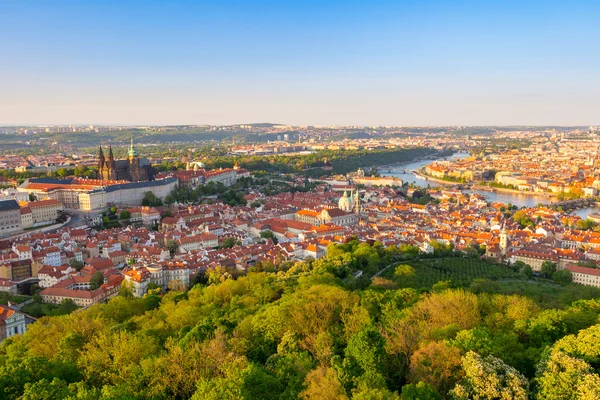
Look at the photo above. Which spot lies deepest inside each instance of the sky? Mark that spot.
(303, 62)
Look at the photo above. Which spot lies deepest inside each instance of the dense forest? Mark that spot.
(318, 330)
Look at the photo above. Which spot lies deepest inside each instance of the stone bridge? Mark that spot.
(575, 203)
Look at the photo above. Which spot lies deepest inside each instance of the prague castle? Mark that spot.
(132, 169)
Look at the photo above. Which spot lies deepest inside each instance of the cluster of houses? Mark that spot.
(168, 247)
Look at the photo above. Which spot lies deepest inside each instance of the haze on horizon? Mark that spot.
(307, 63)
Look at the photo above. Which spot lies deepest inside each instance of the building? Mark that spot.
(146, 215)
(346, 202)
(17, 270)
(44, 211)
(333, 216)
(10, 217)
(504, 241)
(584, 276)
(91, 194)
(12, 322)
(81, 296)
(26, 218)
(130, 194)
(132, 169)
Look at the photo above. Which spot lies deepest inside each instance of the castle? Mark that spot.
(133, 168)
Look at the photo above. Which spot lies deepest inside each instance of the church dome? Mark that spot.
(345, 202)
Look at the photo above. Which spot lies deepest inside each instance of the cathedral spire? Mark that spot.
(100, 157)
(111, 158)
(131, 152)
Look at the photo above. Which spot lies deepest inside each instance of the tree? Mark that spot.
(489, 378)
(62, 172)
(365, 353)
(150, 200)
(125, 214)
(114, 358)
(176, 285)
(78, 265)
(169, 199)
(527, 271)
(172, 245)
(96, 281)
(437, 364)
(568, 371)
(548, 269)
(269, 235)
(419, 391)
(404, 272)
(45, 389)
(228, 243)
(563, 277)
(322, 384)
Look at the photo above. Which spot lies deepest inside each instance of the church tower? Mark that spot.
(357, 204)
(504, 240)
(111, 166)
(101, 161)
(135, 170)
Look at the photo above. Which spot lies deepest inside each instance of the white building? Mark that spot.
(585, 276)
(12, 322)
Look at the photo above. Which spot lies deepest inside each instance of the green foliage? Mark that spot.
(563, 277)
(228, 243)
(569, 369)
(269, 235)
(78, 265)
(522, 219)
(490, 378)
(125, 214)
(311, 330)
(548, 269)
(150, 200)
(419, 391)
(96, 281)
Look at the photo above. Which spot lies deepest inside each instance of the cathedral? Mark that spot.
(133, 169)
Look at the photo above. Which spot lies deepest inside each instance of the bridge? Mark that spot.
(574, 203)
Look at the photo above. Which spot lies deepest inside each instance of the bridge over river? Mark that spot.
(574, 204)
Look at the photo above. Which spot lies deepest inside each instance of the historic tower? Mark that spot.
(135, 170)
(101, 161)
(503, 241)
(107, 169)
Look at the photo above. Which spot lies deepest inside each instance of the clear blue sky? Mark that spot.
(300, 62)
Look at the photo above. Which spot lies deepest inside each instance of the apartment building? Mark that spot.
(10, 217)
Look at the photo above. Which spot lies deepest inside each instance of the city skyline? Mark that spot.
(332, 63)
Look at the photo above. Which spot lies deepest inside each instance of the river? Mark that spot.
(522, 200)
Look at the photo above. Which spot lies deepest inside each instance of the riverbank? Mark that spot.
(436, 180)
